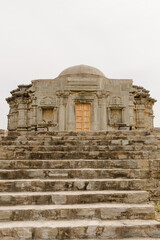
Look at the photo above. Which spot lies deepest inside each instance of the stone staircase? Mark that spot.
(79, 185)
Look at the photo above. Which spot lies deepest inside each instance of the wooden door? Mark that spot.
(82, 116)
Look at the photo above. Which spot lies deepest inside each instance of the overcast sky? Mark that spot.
(40, 38)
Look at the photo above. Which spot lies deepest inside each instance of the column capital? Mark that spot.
(102, 94)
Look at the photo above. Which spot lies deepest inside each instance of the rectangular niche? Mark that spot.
(116, 116)
(47, 115)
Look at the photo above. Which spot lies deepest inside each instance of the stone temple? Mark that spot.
(70, 168)
(81, 98)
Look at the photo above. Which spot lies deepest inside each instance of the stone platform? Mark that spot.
(79, 185)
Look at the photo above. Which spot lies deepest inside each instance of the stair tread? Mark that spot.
(73, 180)
(76, 206)
(74, 160)
(73, 192)
(77, 223)
(88, 151)
(72, 169)
(127, 239)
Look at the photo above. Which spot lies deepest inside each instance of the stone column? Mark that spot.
(109, 116)
(10, 121)
(55, 115)
(11, 117)
(34, 112)
(71, 115)
(131, 110)
(131, 115)
(123, 115)
(140, 116)
(61, 115)
(15, 114)
(22, 116)
(103, 113)
(96, 114)
(149, 117)
(40, 114)
(65, 101)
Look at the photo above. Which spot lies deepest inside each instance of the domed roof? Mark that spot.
(81, 69)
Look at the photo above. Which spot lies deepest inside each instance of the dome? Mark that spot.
(81, 69)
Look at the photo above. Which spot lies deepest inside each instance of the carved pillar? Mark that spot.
(103, 112)
(10, 118)
(96, 114)
(10, 121)
(131, 115)
(109, 115)
(123, 110)
(149, 117)
(71, 115)
(140, 116)
(55, 118)
(34, 112)
(61, 115)
(40, 114)
(131, 110)
(22, 115)
(15, 113)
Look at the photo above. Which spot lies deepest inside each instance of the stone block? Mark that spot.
(59, 199)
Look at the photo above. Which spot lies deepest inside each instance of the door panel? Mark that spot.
(82, 116)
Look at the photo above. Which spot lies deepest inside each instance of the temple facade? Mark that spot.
(81, 98)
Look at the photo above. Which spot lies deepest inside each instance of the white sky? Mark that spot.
(39, 38)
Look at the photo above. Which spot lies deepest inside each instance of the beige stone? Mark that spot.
(59, 199)
(78, 185)
(50, 103)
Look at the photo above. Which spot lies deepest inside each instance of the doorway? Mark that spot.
(82, 116)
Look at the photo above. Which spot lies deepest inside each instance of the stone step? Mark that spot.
(84, 155)
(22, 153)
(81, 163)
(84, 145)
(81, 146)
(114, 138)
(83, 173)
(58, 134)
(72, 197)
(25, 153)
(106, 140)
(44, 185)
(117, 138)
(91, 147)
(138, 134)
(85, 141)
(79, 229)
(133, 239)
(120, 142)
(82, 211)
